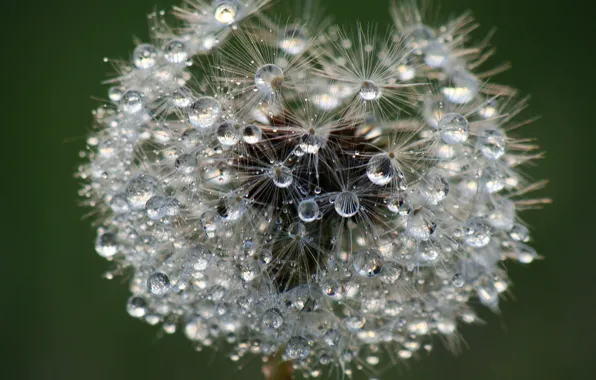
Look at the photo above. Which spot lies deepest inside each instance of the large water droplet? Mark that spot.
(347, 204)
(144, 56)
(204, 112)
(293, 40)
(454, 128)
(380, 169)
(269, 78)
(227, 134)
(140, 189)
(297, 348)
(367, 263)
(158, 284)
(281, 175)
(308, 210)
(369, 91)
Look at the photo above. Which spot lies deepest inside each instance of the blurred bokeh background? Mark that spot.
(60, 320)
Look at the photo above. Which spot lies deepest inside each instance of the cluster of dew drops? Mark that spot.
(333, 196)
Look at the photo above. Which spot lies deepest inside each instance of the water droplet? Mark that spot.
(434, 189)
(436, 54)
(186, 163)
(380, 169)
(458, 280)
(397, 205)
(428, 253)
(226, 12)
(520, 233)
(196, 329)
(158, 284)
(367, 263)
(333, 289)
(144, 56)
(140, 189)
(369, 91)
(297, 348)
(265, 256)
(391, 273)
(132, 102)
(269, 78)
(119, 204)
(296, 230)
(181, 98)
(204, 112)
(155, 207)
(494, 179)
(136, 307)
(420, 226)
(272, 319)
(525, 254)
(476, 233)
(115, 93)
(308, 210)
(106, 244)
(175, 52)
(346, 204)
(311, 144)
(461, 88)
(281, 175)
(454, 128)
(227, 134)
(293, 40)
(492, 144)
(252, 134)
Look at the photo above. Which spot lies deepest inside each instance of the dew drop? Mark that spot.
(227, 134)
(367, 263)
(272, 319)
(293, 40)
(520, 233)
(281, 175)
(369, 91)
(297, 348)
(461, 88)
(204, 112)
(269, 78)
(140, 189)
(477, 234)
(175, 52)
(252, 134)
(380, 169)
(158, 284)
(106, 244)
(308, 210)
(454, 128)
(136, 307)
(346, 204)
(132, 102)
(434, 189)
(492, 144)
(226, 12)
(144, 56)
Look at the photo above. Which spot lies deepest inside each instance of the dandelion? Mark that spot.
(308, 194)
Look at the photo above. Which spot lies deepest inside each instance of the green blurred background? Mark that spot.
(61, 320)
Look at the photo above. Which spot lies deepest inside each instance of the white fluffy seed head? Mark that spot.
(305, 196)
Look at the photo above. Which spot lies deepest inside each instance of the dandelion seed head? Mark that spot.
(308, 191)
